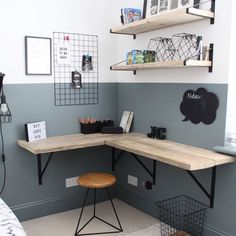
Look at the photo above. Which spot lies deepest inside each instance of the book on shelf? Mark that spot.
(126, 121)
(129, 15)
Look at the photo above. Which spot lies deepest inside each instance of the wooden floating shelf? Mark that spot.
(162, 65)
(163, 20)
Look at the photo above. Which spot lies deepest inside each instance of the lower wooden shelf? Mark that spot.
(162, 65)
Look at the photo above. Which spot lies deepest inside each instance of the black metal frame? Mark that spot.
(213, 7)
(212, 20)
(134, 35)
(115, 159)
(40, 170)
(77, 231)
(210, 195)
(134, 71)
(151, 173)
(211, 58)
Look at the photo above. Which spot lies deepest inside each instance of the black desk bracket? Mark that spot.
(40, 170)
(210, 195)
(151, 173)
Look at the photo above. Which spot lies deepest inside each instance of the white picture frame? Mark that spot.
(151, 7)
(164, 5)
(186, 3)
(173, 4)
(38, 56)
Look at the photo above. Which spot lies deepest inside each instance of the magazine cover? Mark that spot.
(131, 15)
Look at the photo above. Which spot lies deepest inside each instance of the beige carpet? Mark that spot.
(134, 222)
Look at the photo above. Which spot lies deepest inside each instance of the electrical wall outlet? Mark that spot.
(133, 180)
(71, 182)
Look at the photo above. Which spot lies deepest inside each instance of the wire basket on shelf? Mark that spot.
(164, 48)
(187, 46)
(181, 216)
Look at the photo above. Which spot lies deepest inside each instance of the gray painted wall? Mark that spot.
(30, 103)
(153, 104)
(158, 104)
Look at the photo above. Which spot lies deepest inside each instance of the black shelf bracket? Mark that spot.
(112, 32)
(40, 170)
(212, 20)
(213, 7)
(211, 57)
(134, 71)
(211, 195)
(151, 173)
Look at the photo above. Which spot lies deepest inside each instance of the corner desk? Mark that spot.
(189, 158)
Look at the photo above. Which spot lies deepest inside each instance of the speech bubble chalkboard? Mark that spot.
(199, 106)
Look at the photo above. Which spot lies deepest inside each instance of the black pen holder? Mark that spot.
(91, 127)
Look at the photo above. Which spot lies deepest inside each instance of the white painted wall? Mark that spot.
(231, 109)
(219, 34)
(42, 18)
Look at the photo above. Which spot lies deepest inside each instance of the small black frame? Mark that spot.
(38, 49)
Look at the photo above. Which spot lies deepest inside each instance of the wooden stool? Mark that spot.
(97, 181)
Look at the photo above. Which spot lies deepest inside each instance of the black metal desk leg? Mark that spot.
(113, 151)
(40, 170)
(211, 195)
(213, 184)
(154, 172)
(39, 159)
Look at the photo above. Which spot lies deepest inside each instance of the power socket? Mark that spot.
(133, 180)
(71, 182)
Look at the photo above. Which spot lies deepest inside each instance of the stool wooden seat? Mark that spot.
(96, 180)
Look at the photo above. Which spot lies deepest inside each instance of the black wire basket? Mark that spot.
(164, 48)
(181, 216)
(186, 46)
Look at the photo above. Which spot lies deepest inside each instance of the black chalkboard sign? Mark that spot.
(199, 106)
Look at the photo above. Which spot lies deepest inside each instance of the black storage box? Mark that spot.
(91, 127)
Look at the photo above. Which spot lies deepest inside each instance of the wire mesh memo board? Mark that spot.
(79, 45)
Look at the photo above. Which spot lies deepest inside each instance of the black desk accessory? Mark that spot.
(111, 130)
(92, 125)
(158, 133)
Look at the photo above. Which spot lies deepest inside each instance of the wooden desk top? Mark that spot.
(67, 142)
(180, 155)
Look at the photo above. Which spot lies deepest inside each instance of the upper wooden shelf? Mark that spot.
(162, 65)
(163, 20)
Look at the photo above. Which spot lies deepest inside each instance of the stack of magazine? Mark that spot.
(129, 15)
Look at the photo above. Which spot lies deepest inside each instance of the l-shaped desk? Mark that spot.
(189, 158)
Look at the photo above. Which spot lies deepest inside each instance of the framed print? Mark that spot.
(150, 8)
(174, 4)
(38, 56)
(185, 3)
(164, 5)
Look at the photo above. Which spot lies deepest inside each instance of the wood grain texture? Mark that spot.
(180, 155)
(67, 142)
(96, 180)
(163, 20)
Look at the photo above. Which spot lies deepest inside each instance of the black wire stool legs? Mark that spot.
(118, 229)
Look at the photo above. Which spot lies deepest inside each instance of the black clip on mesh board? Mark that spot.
(71, 50)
